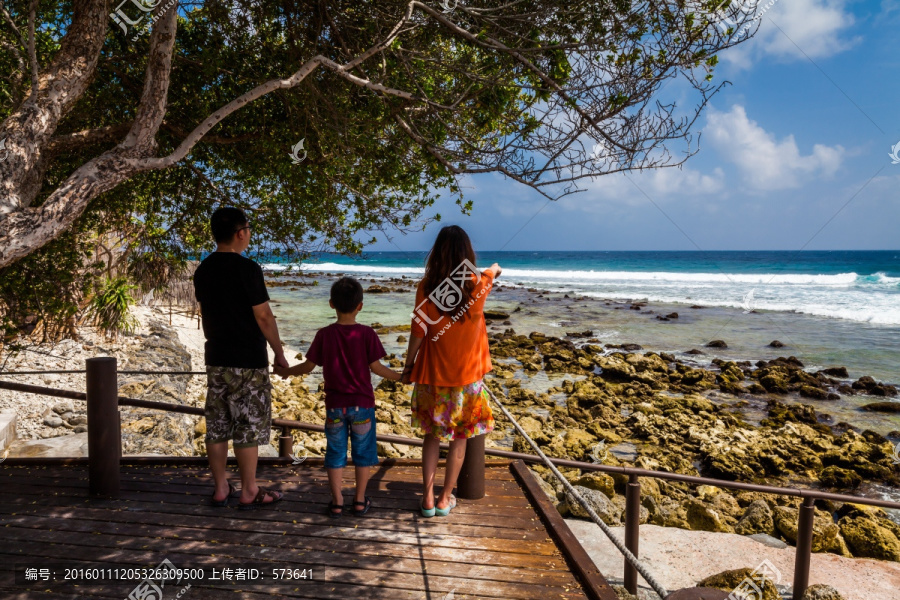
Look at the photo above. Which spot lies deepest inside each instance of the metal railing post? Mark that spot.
(470, 484)
(104, 427)
(285, 443)
(804, 547)
(632, 529)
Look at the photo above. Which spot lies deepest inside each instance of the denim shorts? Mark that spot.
(356, 424)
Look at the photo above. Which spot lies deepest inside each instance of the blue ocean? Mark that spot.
(860, 286)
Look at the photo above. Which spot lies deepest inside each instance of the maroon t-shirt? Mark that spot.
(345, 352)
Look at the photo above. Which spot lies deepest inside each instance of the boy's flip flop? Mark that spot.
(224, 502)
(426, 512)
(331, 508)
(365, 507)
(259, 501)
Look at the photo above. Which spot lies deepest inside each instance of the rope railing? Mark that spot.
(619, 544)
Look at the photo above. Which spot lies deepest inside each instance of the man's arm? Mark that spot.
(303, 368)
(383, 371)
(266, 321)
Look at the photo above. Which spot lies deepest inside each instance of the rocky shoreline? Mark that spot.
(614, 403)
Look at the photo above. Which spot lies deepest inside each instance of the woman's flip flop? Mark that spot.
(443, 512)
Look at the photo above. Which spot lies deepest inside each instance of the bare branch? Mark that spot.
(32, 54)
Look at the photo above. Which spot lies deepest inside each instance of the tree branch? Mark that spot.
(141, 140)
(32, 54)
(75, 141)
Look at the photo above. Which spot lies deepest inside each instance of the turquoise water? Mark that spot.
(861, 286)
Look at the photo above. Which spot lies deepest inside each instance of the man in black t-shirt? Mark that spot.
(237, 323)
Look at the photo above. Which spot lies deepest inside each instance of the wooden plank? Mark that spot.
(461, 556)
(500, 492)
(309, 506)
(325, 578)
(239, 550)
(271, 521)
(494, 468)
(593, 582)
(178, 504)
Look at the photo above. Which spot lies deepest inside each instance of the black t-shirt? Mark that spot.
(228, 286)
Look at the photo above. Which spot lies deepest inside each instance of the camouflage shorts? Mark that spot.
(238, 406)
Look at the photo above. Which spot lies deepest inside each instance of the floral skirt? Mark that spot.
(450, 413)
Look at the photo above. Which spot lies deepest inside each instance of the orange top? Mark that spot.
(455, 350)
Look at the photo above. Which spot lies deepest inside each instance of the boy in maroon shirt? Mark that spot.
(347, 353)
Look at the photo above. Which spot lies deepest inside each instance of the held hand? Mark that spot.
(405, 376)
(280, 371)
(281, 361)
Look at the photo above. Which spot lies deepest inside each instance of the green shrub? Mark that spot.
(110, 309)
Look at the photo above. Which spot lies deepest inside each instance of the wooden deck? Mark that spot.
(509, 545)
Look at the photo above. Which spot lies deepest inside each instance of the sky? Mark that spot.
(794, 154)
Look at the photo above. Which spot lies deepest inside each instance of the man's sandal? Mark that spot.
(259, 501)
(361, 508)
(224, 502)
(332, 507)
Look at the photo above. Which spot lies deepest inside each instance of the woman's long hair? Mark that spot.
(450, 249)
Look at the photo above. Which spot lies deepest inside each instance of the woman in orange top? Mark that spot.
(447, 358)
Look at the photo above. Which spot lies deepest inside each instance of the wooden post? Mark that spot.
(632, 529)
(285, 443)
(104, 427)
(470, 484)
(804, 547)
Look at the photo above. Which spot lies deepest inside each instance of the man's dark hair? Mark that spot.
(346, 294)
(225, 222)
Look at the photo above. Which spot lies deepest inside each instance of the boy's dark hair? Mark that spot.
(225, 222)
(346, 294)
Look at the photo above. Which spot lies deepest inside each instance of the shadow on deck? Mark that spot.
(508, 545)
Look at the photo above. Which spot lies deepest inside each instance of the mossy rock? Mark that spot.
(702, 517)
(821, 592)
(623, 594)
(809, 391)
(602, 482)
(838, 478)
(757, 518)
(866, 538)
(774, 383)
(826, 533)
(608, 512)
(730, 580)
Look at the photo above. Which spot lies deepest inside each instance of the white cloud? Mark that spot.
(814, 28)
(764, 162)
(659, 184)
